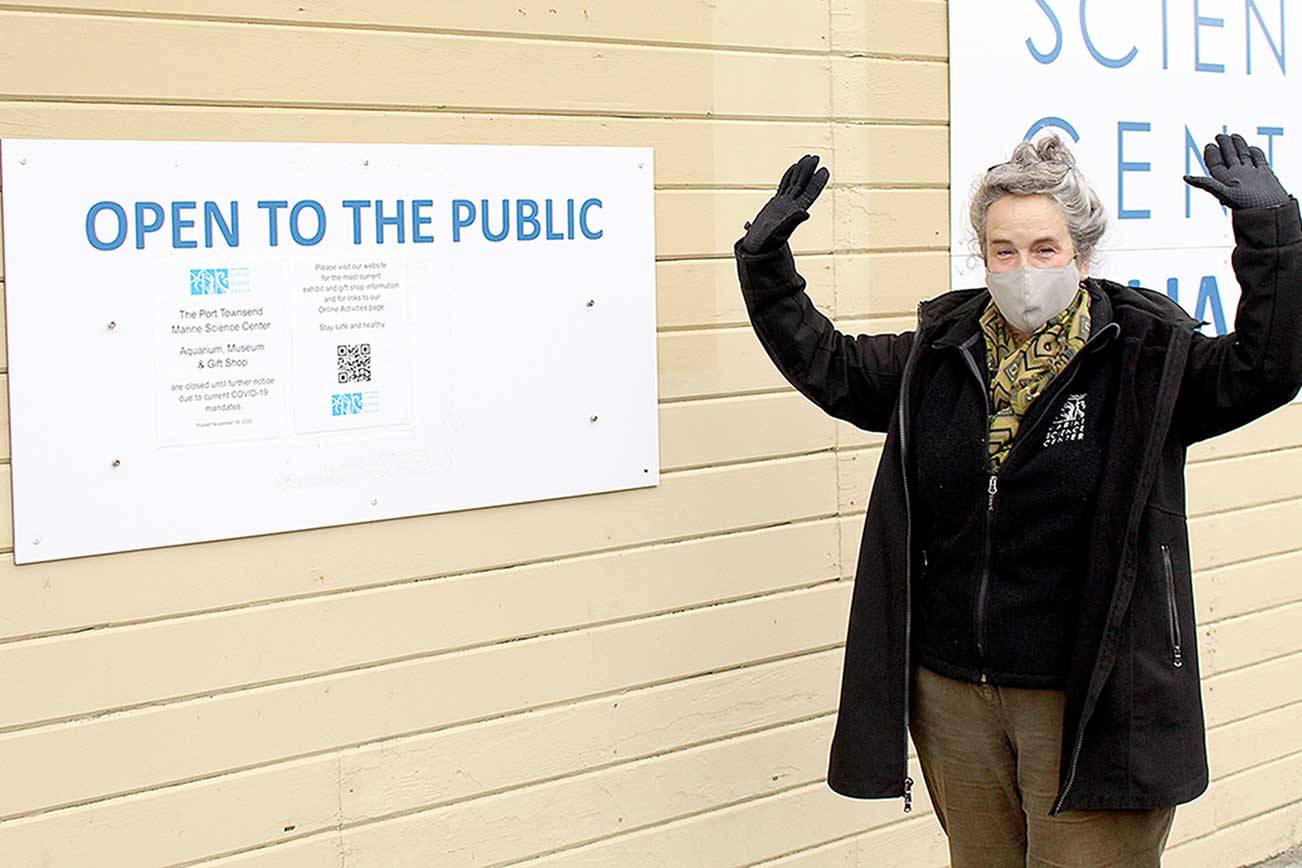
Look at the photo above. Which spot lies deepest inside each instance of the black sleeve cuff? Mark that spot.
(1279, 226)
(769, 275)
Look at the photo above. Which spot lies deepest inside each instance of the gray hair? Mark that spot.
(1047, 168)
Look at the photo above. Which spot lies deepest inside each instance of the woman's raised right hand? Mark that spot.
(780, 216)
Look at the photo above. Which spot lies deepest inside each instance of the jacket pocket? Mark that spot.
(1177, 658)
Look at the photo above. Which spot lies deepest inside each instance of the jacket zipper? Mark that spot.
(902, 404)
(908, 781)
(992, 485)
(1177, 658)
(992, 488)
(1071, 774)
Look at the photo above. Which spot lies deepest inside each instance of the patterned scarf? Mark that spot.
(1020, 372)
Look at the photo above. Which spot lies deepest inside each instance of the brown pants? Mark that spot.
(990, 761)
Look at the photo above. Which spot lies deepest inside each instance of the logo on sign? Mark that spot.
(345, 403)
(210, 281)
(218, 281)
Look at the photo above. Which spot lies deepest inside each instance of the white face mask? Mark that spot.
(1030, 297)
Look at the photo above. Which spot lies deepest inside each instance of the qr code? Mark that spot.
(354, 363)
(345, 404)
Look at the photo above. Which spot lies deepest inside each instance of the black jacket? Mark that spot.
(1133, 733)
(1003, 554)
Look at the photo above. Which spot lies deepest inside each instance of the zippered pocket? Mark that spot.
(1177, 658)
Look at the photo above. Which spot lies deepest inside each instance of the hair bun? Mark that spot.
(1053, 149)
(1049, 149)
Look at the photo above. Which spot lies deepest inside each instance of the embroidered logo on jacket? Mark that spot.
(1070, 424)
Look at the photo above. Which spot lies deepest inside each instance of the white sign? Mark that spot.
(213, 340)
(1136, 88)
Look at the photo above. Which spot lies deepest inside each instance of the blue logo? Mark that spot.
(210, 281)
(345, 403)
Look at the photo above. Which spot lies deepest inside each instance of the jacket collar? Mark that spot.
(952, 319)
(1146, 302)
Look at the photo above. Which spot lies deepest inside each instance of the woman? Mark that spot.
(1023, 600)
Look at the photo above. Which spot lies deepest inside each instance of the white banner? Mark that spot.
(212, 340)
(1136, 88)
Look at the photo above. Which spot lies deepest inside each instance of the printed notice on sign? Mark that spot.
(239, 359)
(222, 353)
(351, 355)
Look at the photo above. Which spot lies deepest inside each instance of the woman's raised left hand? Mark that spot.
(1241, 176)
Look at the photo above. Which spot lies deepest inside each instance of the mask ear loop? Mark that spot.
(1084, 278)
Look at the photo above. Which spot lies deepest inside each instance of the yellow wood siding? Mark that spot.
(631, 678)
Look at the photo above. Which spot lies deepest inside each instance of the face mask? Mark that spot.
(1030, 297)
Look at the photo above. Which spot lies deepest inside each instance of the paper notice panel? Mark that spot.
(213, 340)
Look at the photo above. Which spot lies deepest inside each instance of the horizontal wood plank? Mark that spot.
(92, 671)
(152, 746)
(1238, 803)
(1249, 587)
(1243, 641)
(441, 767)
(910, 27)
(790, 821)
(868, 218)
(1241, 843)
(219, 815)
(1249, 742)
(715, 362)
(747, 23)
(80, 57)
(1278, 429)
(325, 848)
(696, 433)
(1244, 481)
(909, 90)
(75, 57)
(688, 152)
(57, 595)
(516, 824)
(1242, 693)
(886, 284)
(1254, 532)
(919, 842)
(704, 293)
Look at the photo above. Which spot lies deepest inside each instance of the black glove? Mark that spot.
(778, 218)
(1240, 175)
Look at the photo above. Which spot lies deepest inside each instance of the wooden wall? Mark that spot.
(636, 678)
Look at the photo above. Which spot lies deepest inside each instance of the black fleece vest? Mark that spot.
(1003, 555)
